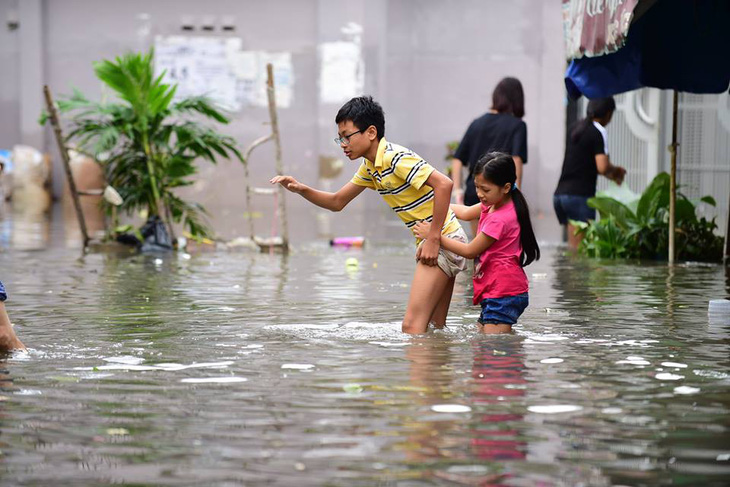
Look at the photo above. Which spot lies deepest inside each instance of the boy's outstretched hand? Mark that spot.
(289, 183)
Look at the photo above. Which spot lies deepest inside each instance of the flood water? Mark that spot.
(219, 368)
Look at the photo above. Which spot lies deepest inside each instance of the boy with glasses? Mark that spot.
(413, 189)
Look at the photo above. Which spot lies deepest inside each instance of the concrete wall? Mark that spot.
(9, 79)
(431, 63)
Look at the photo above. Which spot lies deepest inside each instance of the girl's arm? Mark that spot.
(470, 250)
(606, 168)
(518, 170)
(467, 213)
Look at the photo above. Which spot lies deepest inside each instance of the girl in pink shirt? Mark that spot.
(504, 244)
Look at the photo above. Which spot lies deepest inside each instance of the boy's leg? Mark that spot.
(8, 339)
(438, 318)
(429, 284)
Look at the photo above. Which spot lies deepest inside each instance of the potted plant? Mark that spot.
(639, 228)
(148, 143)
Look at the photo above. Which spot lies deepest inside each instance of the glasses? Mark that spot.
(345, 139)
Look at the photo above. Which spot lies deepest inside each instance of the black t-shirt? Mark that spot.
(580, 173)
(492, 132)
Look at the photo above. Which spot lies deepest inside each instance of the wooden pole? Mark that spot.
(277, 142)
(66, 164)
(673, 179)
(246, 156)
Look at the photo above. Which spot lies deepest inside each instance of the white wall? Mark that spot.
(431, 63)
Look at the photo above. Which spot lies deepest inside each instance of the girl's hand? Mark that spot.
(421, 229)
(289, 183)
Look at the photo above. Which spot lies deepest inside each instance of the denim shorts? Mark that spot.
(572, 207)
(504, 310)
(3, 293)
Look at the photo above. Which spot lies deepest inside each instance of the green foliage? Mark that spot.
(147, 144)
(640, 229)
(450, 150)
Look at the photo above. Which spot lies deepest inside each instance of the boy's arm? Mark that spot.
(324, 199)
(467, 213)
(428, 252)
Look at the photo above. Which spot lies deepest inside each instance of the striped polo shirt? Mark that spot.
(399, 174)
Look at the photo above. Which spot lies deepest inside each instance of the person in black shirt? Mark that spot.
(499, 130)
(586, 156)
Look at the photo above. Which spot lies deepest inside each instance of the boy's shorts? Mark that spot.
(449, 262)
(504, 310)
(3, 294)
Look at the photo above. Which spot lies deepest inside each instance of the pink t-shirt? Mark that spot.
(498, 272)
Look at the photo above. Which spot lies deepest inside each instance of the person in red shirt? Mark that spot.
(505, 243)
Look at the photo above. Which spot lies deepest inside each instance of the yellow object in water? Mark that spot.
(352, 263)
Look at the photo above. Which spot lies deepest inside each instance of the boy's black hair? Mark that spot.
(363, 112)
(597, 108)
(508, 97)
(499, 168)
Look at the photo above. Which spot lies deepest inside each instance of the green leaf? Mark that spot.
(621, 213)
(709, 200)
(654, 197)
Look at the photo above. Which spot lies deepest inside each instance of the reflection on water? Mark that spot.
(248, 369)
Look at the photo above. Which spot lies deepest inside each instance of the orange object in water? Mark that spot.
(348, 242)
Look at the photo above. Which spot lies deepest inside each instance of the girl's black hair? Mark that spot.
(508, 97)
(597, 108)
(499, 168)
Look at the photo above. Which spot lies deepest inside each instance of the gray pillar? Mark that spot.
(31, 72)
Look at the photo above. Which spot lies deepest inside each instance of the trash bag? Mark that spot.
(155, 235)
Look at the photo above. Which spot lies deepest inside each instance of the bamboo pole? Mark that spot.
(246, 156)
(277, 142)
(673, 179)
(66, 164)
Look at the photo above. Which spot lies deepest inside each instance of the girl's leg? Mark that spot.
(438, 318)
(494, 328)
(428, 286)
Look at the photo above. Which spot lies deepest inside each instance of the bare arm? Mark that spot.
(467, 213)
(428, 252)
(324, 199)
(470, 250)
(604, 166)
(456, 167)
(518, 169)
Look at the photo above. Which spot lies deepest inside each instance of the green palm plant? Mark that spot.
(147, 143)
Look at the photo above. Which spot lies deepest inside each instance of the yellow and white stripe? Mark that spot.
(399, 174)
